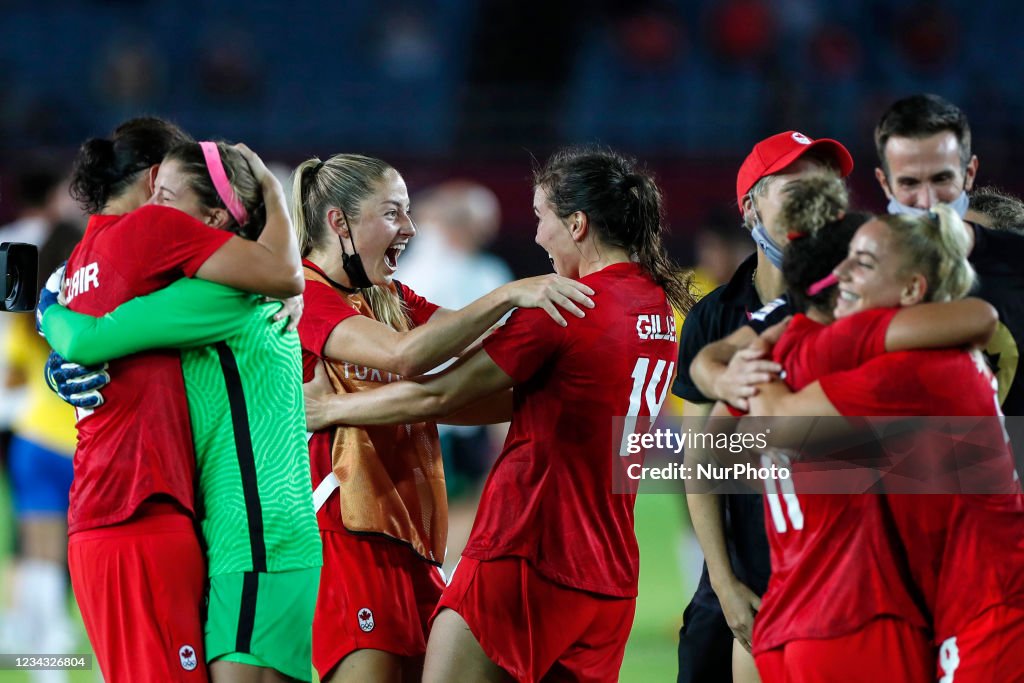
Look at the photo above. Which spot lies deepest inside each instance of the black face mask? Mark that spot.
(353, 266)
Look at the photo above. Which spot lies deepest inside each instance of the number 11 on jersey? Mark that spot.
(793, 511)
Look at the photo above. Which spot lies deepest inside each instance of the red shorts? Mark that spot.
(771, 665)
(885, 649)
(374, 594)
(140, 586)
(536, 629)
(989, 648)
(981, 570)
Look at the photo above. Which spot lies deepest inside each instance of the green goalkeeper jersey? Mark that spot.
(243, 378)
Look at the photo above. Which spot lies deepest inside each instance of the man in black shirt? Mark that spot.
(736, 550)
(924, 149)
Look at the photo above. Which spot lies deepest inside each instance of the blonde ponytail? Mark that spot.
(936, 245)
(387, 307)
(301, 178)
(954, 272)
(343, 181)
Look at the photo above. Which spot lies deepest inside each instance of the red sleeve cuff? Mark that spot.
(218, 239)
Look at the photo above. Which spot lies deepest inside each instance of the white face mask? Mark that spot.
(763, 240)
(772, 250)
(959, 205)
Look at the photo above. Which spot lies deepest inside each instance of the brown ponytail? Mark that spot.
(104, 168)
(623, 205)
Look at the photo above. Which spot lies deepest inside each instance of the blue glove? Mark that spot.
(76, 384)
(49, 294)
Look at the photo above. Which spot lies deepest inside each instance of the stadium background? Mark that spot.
(456, 88)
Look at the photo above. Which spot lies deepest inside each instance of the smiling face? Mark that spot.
(874, 273)
(925, 171)
(173, 188)
(554, 237)
(383, 229)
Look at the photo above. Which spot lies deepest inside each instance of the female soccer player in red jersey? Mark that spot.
(871, 625)
(547, 583)
(821, 529)
(380, 490)
(136, 565)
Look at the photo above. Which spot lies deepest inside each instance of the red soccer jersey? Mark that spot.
(139, 443)
(549, 496)
(810, 350)
(834, 567)
(323, 308)
(941, 533)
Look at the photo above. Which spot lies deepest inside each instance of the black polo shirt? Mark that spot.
(998, 258)
(719, 314)
(714, 317)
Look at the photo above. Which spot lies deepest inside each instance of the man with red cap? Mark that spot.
(735, 548)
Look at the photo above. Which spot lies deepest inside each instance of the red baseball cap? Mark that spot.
(773, 154)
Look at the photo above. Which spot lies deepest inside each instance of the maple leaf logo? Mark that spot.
(187, 655)
(365, 618)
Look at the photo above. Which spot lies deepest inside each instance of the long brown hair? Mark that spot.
(623, 205)
(106, 167)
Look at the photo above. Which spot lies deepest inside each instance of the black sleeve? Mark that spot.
(698, 330)
(771, 313)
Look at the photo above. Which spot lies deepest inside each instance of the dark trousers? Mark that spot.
(705, 646)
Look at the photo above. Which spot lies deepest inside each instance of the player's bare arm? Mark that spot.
(713, 359)
(363, 341)
(968, 322)
(271, 265)
(431, 398)
(774, 399)
(695, 409)
(490, 410)
(739, 603)
(730, 368)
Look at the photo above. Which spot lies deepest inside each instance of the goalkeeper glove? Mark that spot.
(76, 384)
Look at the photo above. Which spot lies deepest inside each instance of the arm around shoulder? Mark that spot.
(967, 322)
(187, 313)
(430, 398)
(271, 265)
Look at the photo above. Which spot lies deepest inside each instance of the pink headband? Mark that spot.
(823, 283)
(220, 181)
